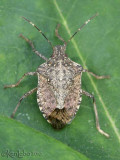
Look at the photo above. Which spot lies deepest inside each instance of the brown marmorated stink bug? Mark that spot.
(59, 92)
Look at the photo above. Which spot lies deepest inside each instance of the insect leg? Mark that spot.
(15, 85)
(24, 96)
(33, 48)
(96, 114)
(96, 76)
(57, 34)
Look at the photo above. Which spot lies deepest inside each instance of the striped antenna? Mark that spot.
(82, 26)
(38, 30)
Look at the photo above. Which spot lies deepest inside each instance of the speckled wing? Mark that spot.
(73, 99)
(45, 97)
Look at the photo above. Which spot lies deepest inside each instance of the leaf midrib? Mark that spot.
(89, 76)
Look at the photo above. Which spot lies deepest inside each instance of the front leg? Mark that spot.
(33, 48)
(15, 85)
(96, 113)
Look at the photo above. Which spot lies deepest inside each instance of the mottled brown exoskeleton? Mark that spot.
(59, 91)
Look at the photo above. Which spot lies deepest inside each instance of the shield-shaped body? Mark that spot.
(59, 88)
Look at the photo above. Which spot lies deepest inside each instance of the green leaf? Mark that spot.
(95, 46)
(28, 143)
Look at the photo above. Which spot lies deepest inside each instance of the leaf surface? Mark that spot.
(95, 47)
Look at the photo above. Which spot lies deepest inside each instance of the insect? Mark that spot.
(59, 91)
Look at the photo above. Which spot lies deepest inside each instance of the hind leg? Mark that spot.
(24, 96)
(96, 113)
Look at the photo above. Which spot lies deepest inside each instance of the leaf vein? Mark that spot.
(92, 82)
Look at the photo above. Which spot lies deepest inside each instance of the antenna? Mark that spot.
(82, 26)
(38, 30)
